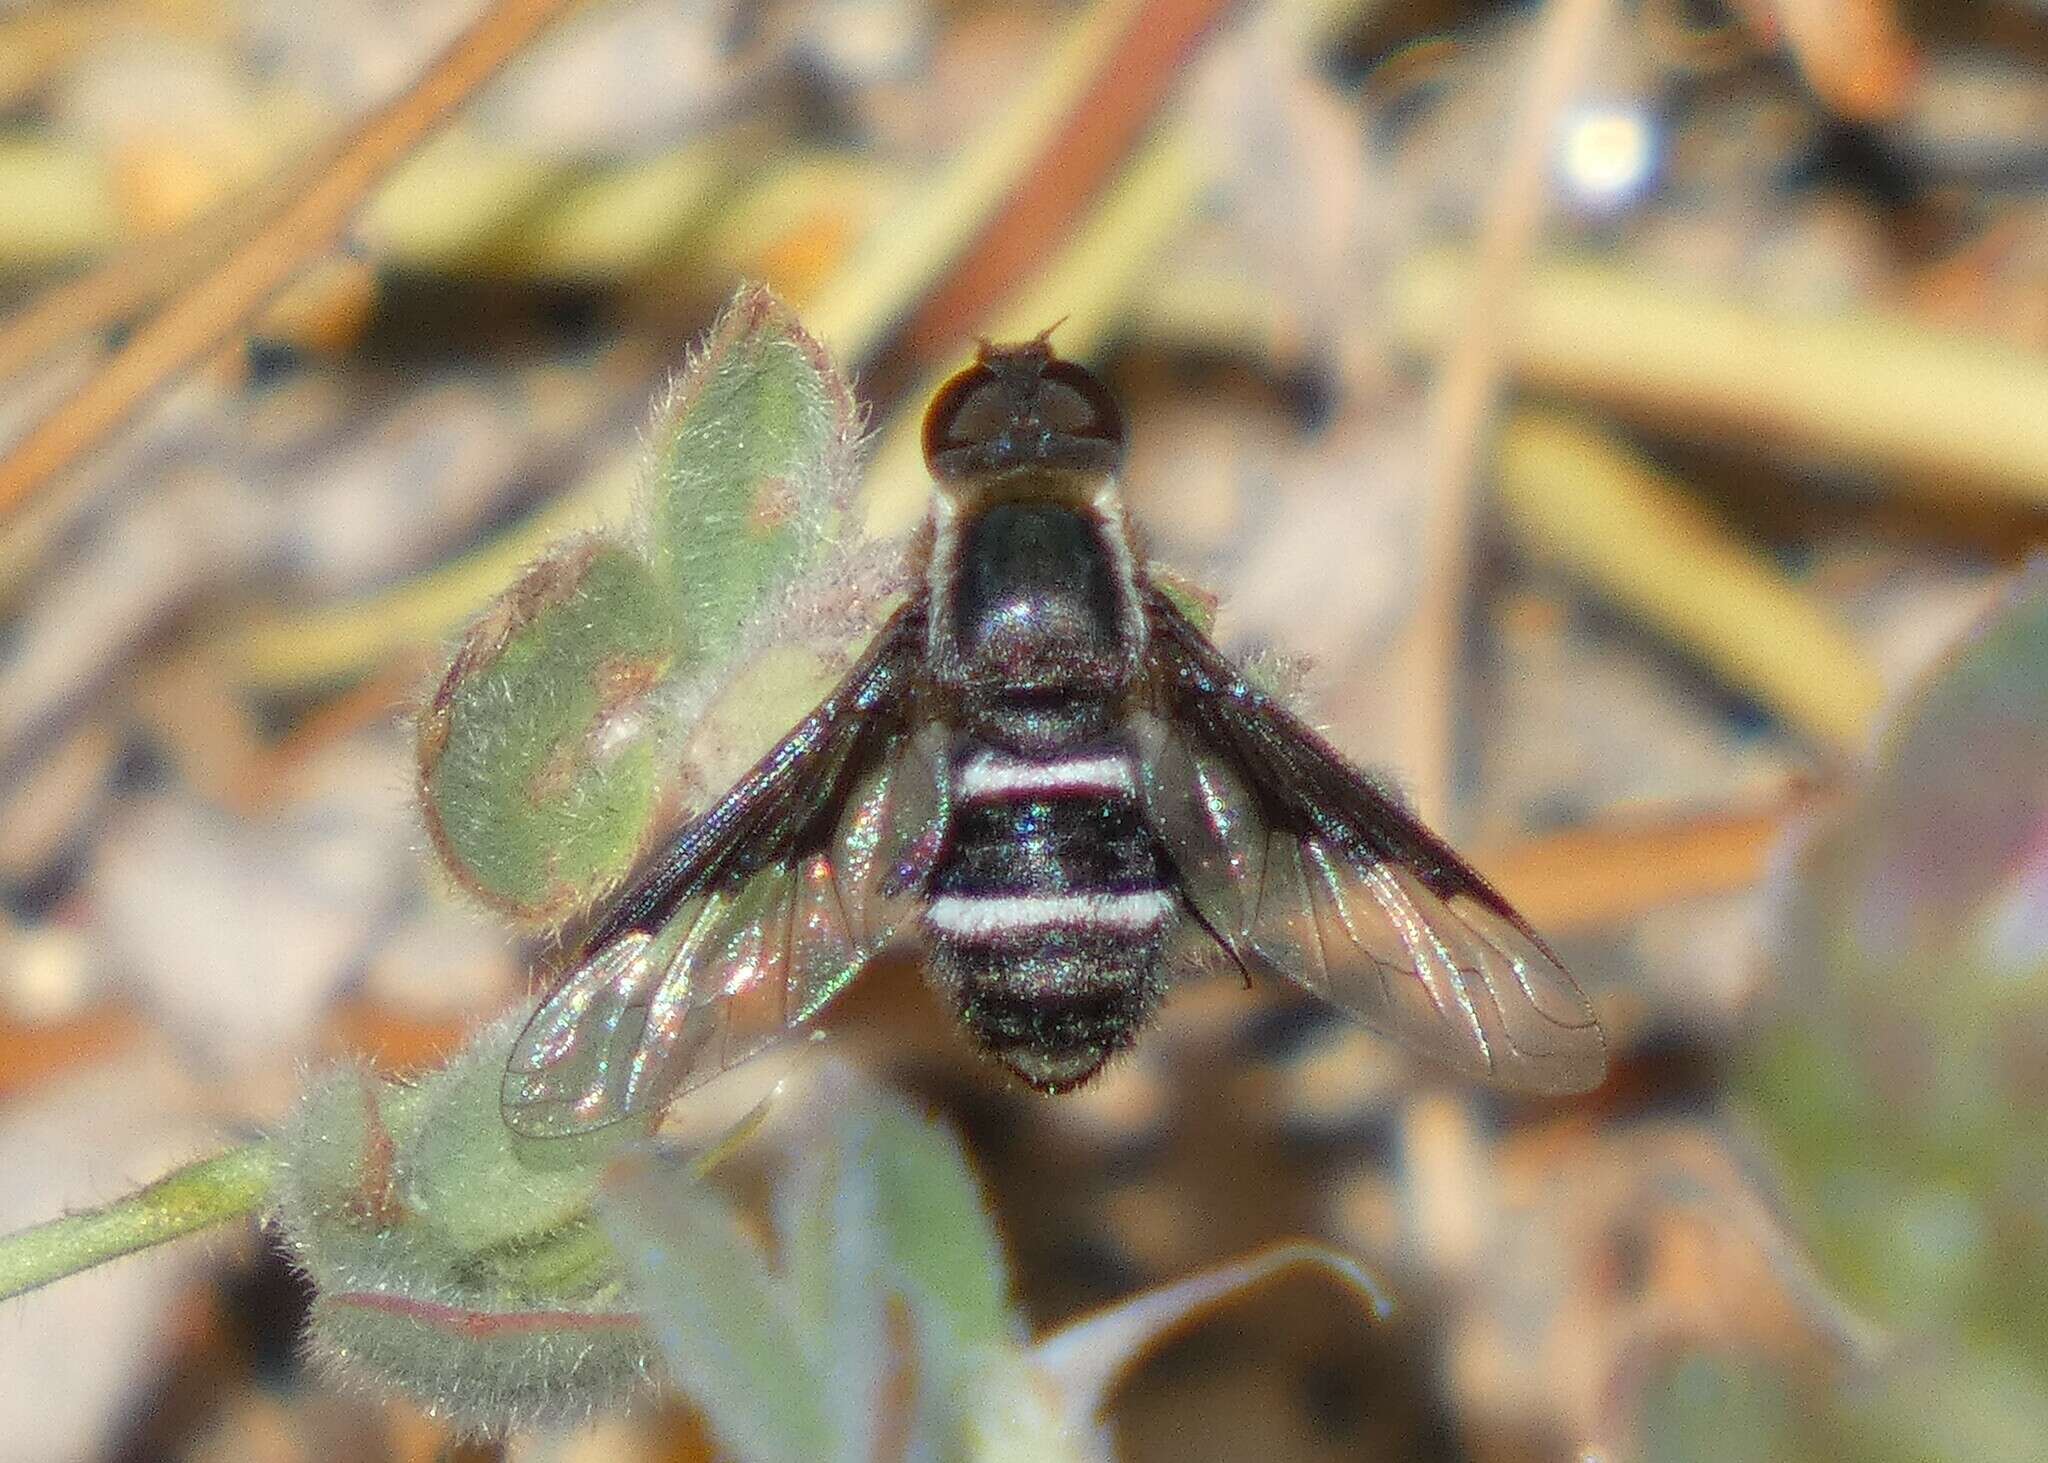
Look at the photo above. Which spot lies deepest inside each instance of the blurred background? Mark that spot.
(1632, 419)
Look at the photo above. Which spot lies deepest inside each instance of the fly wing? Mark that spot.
(760, 912)
(1296, 863)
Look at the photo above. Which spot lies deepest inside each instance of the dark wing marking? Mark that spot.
(1296, 863)
(762, 910)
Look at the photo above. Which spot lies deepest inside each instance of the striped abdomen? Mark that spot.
(1050, 909)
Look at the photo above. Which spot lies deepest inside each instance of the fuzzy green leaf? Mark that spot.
(752, 459)
(894, 1363)
(934, 1221)
(449, 1269)
(474, 1182)
(726, 1326)
(485, 1369)
(538, 753)
(337, 1188)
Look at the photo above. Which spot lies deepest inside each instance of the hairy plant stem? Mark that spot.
(197, 1196)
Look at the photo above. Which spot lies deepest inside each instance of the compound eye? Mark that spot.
(1073, 403)
(971, 410)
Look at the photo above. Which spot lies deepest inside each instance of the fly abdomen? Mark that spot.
(1050, 909)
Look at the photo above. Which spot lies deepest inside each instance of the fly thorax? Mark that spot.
(1035, 624)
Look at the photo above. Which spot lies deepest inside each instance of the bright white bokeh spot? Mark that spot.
(1608, 154)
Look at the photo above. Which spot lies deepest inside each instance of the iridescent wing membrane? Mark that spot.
(761, 911)
(1295, 863)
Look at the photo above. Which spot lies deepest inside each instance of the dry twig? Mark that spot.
(137, 277)
(213, 308)
(1467, 386)
(1606, 873)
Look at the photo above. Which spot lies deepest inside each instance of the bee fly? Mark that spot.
(1042, 769)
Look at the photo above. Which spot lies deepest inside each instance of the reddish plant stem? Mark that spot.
(1107, 121)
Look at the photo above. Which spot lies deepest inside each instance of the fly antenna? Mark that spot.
(1044, 337)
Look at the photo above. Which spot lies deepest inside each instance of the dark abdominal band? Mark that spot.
(1049, 914)
(1050, 844)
